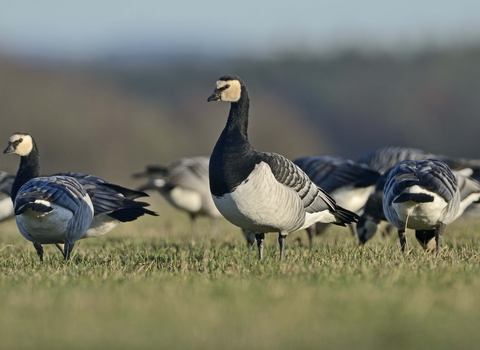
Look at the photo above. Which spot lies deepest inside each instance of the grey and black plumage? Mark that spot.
(48, 210)
(373, 213)
(184, 184)
(6, 205)
(112, 203)
(384, 159)
(258, 191)
(425, 196)
(348, 182)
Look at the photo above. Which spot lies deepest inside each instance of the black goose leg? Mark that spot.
(260, 237)
(60, 247)
(249, 236)
(193, 217)
(281, 242)
(311, 231)
(438, 235)
(39, 249)
(403, 240)
(67, 250)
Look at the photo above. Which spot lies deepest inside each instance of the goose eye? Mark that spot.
(227, 86)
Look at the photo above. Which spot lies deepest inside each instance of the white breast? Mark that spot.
(100, 225)
(185, 199)
(6, 208)
(262, 204)
(351, 198)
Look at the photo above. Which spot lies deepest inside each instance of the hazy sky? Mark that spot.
(99, 27)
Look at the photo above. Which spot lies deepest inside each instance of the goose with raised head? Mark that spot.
(426, 196)
(50, 209)
(258, 191)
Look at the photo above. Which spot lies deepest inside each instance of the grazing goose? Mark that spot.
(382, 160)
(258, 191)
(348, 182)
(373, 213)
(184, 184)
(6, 205)
(51, 209)
(385, 158)
(425, 196)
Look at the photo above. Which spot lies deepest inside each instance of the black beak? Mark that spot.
(214, 97)
(9, 149)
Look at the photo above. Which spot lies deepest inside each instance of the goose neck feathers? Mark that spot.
(24, 145)
(233, 158)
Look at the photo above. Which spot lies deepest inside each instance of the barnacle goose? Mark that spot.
(385, 158)
(6, 205)
(51, 209)
(184, 184)
(258, 191)
(348, 182)
(425, 196)
(112, 203)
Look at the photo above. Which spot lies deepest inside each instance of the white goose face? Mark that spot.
(21, 144)
(227, 91)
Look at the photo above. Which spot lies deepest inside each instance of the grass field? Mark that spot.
(152, 285)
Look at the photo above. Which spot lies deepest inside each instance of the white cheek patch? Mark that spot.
(232, 93)
(25, 146)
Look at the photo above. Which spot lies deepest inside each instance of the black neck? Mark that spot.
(233, 158)
(238, 116)
(29, 169)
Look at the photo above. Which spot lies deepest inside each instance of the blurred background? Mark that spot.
(108, 87)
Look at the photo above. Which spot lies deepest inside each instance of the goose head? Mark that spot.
(228, 89)
(20, 143)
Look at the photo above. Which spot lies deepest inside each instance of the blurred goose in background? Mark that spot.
(48, 210)
(258, 191)
(373, 214)
(6, 205)
(348, 182)
(185, 185)
(385, 158)
(425, 196)
(111, 203)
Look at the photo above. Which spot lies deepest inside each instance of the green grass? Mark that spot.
(151, 284)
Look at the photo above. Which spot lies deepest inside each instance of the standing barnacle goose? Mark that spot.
(6, 206)
(262, 192)
(425, 196)
(184, 184)
(48, 210)
(348, 182)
